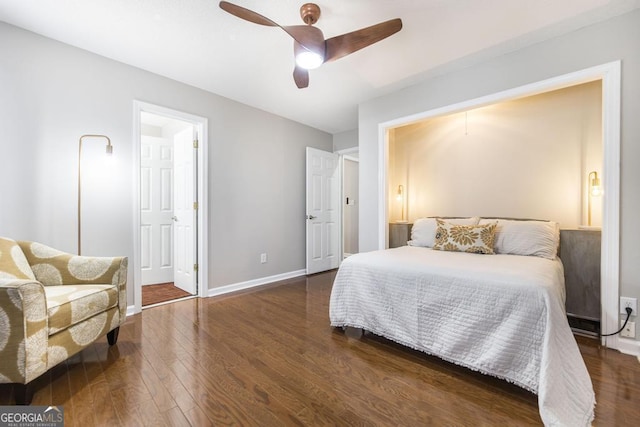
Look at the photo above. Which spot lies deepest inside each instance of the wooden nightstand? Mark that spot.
(399, 234)
(580, 255)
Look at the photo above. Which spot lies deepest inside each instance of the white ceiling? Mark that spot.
(196, 42)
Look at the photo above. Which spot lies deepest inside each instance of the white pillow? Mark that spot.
(423, 232)
(537, 238)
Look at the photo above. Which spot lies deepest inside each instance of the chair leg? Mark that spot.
(112, 336)
(23, 393)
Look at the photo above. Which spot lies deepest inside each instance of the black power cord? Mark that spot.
(629, 311)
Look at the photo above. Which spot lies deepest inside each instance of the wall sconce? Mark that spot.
(594, 191)
(109, 152)
(400, 198)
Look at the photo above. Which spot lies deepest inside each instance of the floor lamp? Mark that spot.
(109, 151)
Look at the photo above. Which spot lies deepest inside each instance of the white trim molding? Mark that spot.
(235, 287)
(629, 346)
(610, 74)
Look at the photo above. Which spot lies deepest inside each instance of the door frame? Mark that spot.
(352, 154)
(201, 125)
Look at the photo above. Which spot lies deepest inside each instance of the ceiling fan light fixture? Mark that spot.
(310, 48)
(308, 60)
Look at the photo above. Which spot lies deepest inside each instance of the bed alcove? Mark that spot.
(524, 158)
(605, 80)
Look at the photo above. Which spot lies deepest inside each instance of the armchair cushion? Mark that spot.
(13, 263)
(69, 305)
(68, 342)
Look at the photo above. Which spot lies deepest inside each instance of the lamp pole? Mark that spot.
(109, 150)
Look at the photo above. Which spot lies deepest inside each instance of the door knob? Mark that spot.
(175, 218)
(311, 217)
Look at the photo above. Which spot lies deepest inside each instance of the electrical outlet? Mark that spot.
(263, 258)
(629, 331)
(629, 302)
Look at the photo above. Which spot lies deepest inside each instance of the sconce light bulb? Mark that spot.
(594, 184)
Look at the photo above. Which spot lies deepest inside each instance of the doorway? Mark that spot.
(169, 208)
(332, 199)
(350, 203)
(167, 232)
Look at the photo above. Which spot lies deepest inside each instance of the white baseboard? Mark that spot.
(131, 310)
(255, 282)
(629, 346)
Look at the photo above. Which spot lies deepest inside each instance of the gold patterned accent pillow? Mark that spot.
(477, 239)
(13, 262)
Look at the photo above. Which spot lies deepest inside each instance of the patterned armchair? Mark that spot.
(52, 305)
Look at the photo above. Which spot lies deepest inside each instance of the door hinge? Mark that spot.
(195, 267)
(195, 206)
(195, 143)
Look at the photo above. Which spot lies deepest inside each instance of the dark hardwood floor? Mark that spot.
(270, 358)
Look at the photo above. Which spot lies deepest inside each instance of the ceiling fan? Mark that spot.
(309, 45)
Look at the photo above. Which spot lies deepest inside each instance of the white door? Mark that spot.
(185, 210)
(323, 211)
(156, 210)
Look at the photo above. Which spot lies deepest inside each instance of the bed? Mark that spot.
(500, 313)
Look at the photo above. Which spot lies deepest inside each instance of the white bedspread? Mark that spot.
(502, 315)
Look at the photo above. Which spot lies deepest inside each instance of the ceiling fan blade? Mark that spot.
(339, 46)
(301, 77)
(311, 38)
(246, 14)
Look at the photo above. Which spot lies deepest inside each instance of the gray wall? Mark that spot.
(344, 140)
(615, 39)
(52, 93)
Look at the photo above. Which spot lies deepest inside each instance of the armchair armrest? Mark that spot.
(23, 331)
